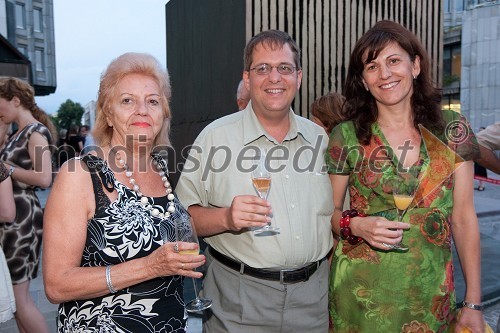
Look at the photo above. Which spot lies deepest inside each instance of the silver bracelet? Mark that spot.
(472, 306)
(108, 280)
(11, 171)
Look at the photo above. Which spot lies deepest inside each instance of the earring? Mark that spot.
(414, 77)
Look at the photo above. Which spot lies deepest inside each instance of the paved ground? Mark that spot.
(487, 206)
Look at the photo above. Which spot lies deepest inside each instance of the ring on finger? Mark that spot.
(176, 248)
(182, 265)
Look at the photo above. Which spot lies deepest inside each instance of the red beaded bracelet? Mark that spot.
(345, 230)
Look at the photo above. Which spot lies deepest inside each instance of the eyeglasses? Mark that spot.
(266, 69)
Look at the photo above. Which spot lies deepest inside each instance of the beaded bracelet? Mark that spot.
(111, 289)
(345, 230)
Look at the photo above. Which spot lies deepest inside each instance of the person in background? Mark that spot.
(83, 131)
(326, 110)
(74, 142)
(7, 215)
(242, 96)
(374, 288)
(480, 171)
(489, 142)
(89, 143)
(61, 154)
(28, 157)
(112, 214)
(270, 283)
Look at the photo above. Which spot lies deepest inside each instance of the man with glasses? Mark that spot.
(263, 282)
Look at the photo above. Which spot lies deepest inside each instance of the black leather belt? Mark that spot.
(284, 276)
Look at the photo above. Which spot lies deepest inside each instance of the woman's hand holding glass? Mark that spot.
(168, 259)
(378, 231)
(185, 232)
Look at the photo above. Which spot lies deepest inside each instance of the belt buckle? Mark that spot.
(282, 274)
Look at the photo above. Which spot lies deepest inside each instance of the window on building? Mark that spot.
(23, 49)
(37, 19)
(39, 60)
(452, 63)
(20, 16)
(459, 5)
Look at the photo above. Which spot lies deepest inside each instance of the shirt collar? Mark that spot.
(253, 130)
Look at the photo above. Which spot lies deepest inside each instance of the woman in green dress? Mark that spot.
(395, 124)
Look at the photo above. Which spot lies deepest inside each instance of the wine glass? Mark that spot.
(185, 232)
(403, 191)
(261, 180)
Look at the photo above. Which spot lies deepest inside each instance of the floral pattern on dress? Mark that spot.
(373, 290)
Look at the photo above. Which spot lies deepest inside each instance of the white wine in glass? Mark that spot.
(261, 180)
(186, 232)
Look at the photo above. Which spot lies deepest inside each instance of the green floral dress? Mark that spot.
(389, 291)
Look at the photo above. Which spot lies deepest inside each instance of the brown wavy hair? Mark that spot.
(11, 87)
(126, 64)
(328, 110)
(361, 107)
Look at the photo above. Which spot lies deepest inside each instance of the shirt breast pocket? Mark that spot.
(321, 194)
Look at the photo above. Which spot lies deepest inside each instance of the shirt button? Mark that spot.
(293, 206)
(287, 176)
(297, 237)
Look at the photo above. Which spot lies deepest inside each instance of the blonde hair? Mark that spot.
(126, 64)
(11, 87)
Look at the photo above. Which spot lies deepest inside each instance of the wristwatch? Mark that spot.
(11, 170)
(472, 306)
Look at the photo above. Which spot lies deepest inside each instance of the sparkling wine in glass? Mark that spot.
(186, 232)
(403, 191)
(261, 180)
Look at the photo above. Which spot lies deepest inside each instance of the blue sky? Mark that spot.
(91, 33)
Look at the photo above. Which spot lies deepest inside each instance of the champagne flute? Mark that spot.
(185, 232)
(403, 191)
(261, 180)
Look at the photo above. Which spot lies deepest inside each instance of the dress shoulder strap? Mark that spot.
(101, 177)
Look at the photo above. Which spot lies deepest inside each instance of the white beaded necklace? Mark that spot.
(144, 200)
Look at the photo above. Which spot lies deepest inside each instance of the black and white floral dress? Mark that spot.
(123, 230)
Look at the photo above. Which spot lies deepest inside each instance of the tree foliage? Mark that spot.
(69, 113)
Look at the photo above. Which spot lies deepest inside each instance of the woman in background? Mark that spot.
(27, 155)
(327, 110)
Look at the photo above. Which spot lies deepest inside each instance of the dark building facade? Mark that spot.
(205, 42)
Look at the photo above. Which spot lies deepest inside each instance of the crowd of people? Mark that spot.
(333, 265)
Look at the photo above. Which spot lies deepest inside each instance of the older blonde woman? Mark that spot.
(112, 215)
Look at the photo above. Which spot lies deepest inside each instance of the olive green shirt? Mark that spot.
(217, 170)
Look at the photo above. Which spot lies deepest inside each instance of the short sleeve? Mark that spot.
(192, 184)
(339, 152)
(490, 137)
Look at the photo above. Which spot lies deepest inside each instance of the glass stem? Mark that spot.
(195, 290)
